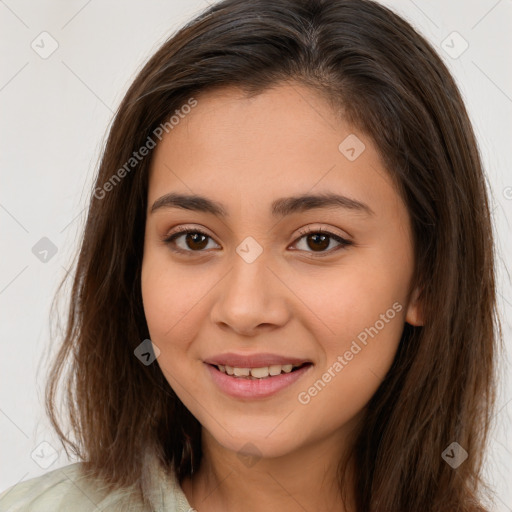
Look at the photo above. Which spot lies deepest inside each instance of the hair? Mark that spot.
(386, 80)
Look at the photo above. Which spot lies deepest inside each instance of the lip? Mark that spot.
(238, 387)
(253, 360)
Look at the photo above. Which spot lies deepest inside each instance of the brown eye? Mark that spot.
(196, 241)
(318, 240)
(188, 241)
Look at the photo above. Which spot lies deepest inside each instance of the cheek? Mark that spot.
(357, 358)
(362, 309)
(174, 301)
(168, 307)
(167, 293)
(165, 302)
(352, 298)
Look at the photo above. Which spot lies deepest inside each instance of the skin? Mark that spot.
(245, 153)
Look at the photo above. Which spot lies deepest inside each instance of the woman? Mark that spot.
(285, 294)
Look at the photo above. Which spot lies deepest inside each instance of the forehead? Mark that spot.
(284, 141)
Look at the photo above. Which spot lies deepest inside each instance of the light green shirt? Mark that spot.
(67, 490)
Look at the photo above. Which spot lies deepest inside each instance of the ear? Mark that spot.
(414, 309)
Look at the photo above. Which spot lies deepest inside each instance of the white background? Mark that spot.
(55, 113)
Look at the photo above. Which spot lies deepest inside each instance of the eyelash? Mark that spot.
(304, 232)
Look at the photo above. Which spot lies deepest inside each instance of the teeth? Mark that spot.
(275, 369)
(258, 373)
(241, 372)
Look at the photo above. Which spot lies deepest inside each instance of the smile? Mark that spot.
(255, 383)
(259, 373)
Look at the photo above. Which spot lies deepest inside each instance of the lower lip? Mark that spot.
(238, 387)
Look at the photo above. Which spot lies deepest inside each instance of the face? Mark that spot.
(264, 284)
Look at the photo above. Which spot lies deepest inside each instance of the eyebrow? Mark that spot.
(280, 207)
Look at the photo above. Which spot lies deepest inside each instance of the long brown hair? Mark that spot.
(385, 79)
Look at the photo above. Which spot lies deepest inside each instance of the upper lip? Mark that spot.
(253, 360)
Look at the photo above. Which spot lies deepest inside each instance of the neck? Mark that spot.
(306, 479)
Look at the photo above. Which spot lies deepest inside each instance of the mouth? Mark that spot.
(260, 373)
(256, 382)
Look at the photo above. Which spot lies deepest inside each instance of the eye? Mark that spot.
(193, 240)
(318, 240)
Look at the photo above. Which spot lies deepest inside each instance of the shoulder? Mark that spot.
(68, 488)
(64, 489)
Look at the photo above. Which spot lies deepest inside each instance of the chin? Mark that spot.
(255, 444)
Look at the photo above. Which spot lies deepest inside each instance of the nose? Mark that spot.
(251, 298)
